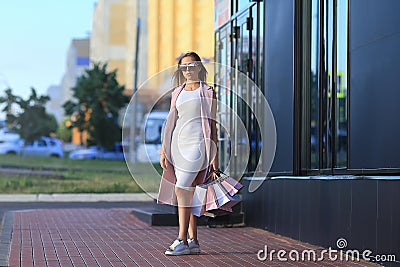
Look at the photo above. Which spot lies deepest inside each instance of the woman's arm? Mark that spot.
(163, 156)
(214, 135)
(163, 161)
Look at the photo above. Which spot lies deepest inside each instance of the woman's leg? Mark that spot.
(184, 198)
(192, 231)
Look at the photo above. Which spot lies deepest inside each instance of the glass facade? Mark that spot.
(300, 54)
(240, 47)
(223, 84)
(328, 57)
(330, 75)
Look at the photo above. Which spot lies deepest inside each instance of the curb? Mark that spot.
(140, 197)
(6, 229)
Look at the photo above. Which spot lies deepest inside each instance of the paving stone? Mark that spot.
(115, 237)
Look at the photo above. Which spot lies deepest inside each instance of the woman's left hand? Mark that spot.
(214, 167)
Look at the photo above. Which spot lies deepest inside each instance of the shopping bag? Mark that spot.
(224, 209)
(199, 201)
(216, 197)
(221, 194)
(229, 187)
(233, 200)
(229, 184)
(233, 182)
(212, 201)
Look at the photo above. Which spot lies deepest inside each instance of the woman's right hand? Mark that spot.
(163, 161)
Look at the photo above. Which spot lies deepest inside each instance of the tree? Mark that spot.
(9, 100)
(97, 101)
(64, 132)
(31, 120)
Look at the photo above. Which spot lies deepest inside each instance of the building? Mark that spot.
(177, 26)
(174, 27)
(113, 38)
(328, 70)
(141, 38)
(77, 61)
(166, 29)
(54, 106)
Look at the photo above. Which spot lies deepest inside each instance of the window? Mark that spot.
(41, 143)
(327, 103)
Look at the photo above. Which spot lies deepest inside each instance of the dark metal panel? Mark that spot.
(374, 87)
(278, 40)
(279, 194)
(343, 218)
(395, 220)
(388, 191)
(254, 205)
(309, 212)
(363, 211)
(363, 216)
(329, 213)
(273, 205)
(338, 211)
(289, 221)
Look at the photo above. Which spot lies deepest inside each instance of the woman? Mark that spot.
(189, 149)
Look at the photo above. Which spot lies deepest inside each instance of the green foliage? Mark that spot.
(97, 100)
(64, 132)
(31, 121)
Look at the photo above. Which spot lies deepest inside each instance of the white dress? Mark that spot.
(187, 144)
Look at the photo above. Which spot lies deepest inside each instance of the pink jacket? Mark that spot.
(166, 194)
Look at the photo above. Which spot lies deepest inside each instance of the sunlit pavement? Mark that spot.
(114, 237)
(109, 197)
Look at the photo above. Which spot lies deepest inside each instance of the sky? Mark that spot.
(35, 36)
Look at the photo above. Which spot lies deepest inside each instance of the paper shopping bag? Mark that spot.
(228, 183)
(199, 201)
(214, 212)
(233, 200)
(221, 194)
(212, 201)
(234, 183)
(229, 188)
(224, 209)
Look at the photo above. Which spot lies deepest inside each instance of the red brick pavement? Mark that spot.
(114, 237)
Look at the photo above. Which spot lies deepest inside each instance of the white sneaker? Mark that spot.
(178, 248)
(193, 246)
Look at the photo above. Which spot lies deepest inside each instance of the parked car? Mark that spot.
(115, 153)
(85, 153)
(152, 131)
(10, 147)
(8, 135)
(44, 147)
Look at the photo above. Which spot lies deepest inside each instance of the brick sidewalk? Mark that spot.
(114, 237)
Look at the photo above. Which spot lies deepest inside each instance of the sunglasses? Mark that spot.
(187, 67)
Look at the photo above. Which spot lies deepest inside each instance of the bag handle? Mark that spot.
(218, 172)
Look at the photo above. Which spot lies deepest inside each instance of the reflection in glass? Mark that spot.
(315, 55)
(341, 94)
(328, 111)
(243, 53)
(242, 4)
(223, 84)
